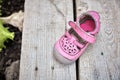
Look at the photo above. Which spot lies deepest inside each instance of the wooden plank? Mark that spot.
(44, 23)
(101, 61)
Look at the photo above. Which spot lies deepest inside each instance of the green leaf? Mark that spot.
(4, 35)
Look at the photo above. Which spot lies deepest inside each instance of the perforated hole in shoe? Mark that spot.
(69, 47)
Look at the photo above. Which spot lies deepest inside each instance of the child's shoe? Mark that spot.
(74, 42)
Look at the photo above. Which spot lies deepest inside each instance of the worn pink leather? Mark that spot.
(87, 27)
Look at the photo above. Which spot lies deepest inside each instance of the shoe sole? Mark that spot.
(60, 58)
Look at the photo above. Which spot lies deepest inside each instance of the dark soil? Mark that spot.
(13, 48)
(10, 6)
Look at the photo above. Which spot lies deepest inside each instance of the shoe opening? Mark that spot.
(87, 23)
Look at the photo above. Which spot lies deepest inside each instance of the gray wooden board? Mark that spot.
(101, 61)
(44, 23)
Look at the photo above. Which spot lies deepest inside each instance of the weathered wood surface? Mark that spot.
(101, 61)
(44, 23)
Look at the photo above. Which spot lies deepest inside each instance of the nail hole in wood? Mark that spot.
(102, 53)
(36, 68)
(52, 67)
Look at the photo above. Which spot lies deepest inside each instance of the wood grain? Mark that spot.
(101, 61)
(44, 23)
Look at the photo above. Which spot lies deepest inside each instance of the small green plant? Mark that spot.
(5, 34)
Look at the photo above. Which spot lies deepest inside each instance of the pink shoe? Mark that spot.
(74, 42)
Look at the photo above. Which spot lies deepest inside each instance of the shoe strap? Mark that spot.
(85, 35)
